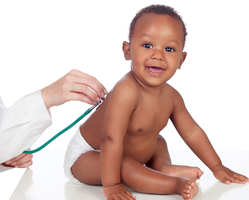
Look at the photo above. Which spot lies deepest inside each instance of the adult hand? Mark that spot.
(73, 86)
(21, 161)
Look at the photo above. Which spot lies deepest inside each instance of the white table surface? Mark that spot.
(45, 179)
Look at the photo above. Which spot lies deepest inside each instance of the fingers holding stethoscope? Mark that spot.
(21, 161)
(83, 93)
(82, 83)
(74, 86)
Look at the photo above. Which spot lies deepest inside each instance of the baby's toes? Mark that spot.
(187, 190)
(199, 174)
(188, 187)
(191, 183)
(190, 190)
(186, 196)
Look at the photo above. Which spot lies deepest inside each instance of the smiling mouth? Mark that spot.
(155, 71)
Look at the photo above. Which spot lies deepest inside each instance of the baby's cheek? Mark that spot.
(135, 65)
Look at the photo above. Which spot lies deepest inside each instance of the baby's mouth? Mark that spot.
(155, 71)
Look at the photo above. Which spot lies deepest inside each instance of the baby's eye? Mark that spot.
(169, 49)
(148, 46)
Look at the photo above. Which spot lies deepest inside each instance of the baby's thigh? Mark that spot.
(87, 168)
(161, 155)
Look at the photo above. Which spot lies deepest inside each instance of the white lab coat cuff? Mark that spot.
(39, 114)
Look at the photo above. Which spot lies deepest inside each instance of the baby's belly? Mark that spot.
(140, 151)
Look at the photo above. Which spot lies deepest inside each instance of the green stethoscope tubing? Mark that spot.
(64, 130)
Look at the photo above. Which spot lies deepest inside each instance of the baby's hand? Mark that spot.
(117, 192)
(226, 176)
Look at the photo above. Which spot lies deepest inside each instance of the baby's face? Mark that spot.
(155, 48)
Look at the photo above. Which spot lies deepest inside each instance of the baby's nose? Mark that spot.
(157, 54)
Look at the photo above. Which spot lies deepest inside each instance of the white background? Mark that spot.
(40, 41)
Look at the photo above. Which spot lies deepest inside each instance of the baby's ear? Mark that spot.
(184, 55)
(126, 50)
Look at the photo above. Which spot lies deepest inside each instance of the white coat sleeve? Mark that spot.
(21, 125)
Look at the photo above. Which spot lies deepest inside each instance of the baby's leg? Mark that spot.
(134, 175)
(160, 161)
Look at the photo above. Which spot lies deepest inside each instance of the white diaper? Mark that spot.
(76, 147)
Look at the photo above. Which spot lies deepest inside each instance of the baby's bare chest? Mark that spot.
(150, 118)
(144, 126)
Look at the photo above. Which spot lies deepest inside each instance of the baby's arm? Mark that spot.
(121, 104)
(198, 141)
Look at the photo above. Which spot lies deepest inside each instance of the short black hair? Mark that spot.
(160, 10)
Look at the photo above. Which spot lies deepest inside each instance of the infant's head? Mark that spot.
(157, 37)
(160, 10)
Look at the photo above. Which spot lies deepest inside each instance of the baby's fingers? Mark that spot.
(234, 177)
(238, 178)
(223, 179)
(133, 197)
(122, 196)
(126, 196)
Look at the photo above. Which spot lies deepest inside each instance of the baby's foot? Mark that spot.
(187, 189)
(193, 173)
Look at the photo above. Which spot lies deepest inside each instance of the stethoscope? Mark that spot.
(65, 129)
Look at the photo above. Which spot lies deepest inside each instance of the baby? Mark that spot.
(120, 142)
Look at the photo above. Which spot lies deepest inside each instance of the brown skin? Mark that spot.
(126, 126)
